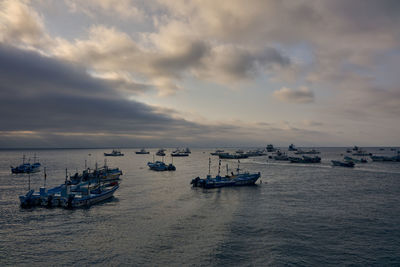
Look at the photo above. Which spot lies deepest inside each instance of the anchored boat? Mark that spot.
(114, 153)
(238, 179)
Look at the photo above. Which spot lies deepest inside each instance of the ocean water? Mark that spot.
(300, 215)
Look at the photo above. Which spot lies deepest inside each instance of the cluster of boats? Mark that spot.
(80, 190)
(27, 167)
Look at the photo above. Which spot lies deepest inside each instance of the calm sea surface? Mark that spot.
(306, 215)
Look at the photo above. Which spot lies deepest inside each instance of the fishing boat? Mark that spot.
(87, 198)
(292, 148)
(280, 156)
(161, 152)
(142, 151)
(27, 167)
(218, 152)
(238, 179)
(305, 159)
(161, 166)
(270, 148)
(349, 164)
(232, 156)
(312, 151)
(362, 160)
(179, 153)
(255, 153)
(104, 173)
(387, 158)
(114, 153)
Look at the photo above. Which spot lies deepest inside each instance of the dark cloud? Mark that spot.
(45, 95)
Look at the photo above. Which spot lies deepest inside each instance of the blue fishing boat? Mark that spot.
(161, 166)
(142, 151)
(238, 179)
(27, 167)
(114, 153)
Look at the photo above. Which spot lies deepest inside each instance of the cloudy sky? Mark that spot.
(199, 73)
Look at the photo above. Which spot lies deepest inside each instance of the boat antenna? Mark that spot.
(45, 177)
(209, 166)
(66, 175)
(219, 167)
(29, 181)
(105, 163)
(85, 164)
(23, 159)
(227, 169)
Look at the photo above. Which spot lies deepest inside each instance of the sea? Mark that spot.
(296, 214)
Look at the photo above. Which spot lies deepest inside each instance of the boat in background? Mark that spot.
(142, 151)
(27, 167)
(270, 148)
(349, 164)
(292, 148)
(312, 151)
(238, 179)
(362, 160)
(305, 159)
(179, 153)
(161, 152)
(161, 166)
(232, 156)
(218, 152)
(281, 156)
(114, 153)
(187, 150)
(395, 158)
(255, 153)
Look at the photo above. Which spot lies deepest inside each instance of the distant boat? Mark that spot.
(255, 153)
(305, 159)
(312, 151)
(346, 158)
(26, 167)
(179, 154)
(239, 151)
(386, 158)
(161, 166)
(270, 148)
(187, 150)
(343, 163)
(280, 156)
(114, 153)
(142, 151)
(218, 152)
(238, 179)
(232, 156)
(161, 152)
(292, 148)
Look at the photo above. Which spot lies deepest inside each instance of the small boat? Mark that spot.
(142, 151)
(348, 150)
(255, 153)
(280, 156)
(161, 152)
(239, 151)
(349, 164)
(312, 151)
(161, 166)
(292, 148)
(305, 159)
(179, 154)
(270, 148)
(239, 179)
(114, 153)
(232, 156)
(218, 152)
(347, 159)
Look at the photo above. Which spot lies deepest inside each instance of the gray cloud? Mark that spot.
(302, 95)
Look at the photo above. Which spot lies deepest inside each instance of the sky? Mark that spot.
(152, 73)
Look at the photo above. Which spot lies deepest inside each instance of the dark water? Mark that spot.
(310, 215)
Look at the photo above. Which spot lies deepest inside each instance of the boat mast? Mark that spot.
(45, 177)
(219, 167)
(227, 169)
(209, 166)
(29, 181)
(66, 175)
